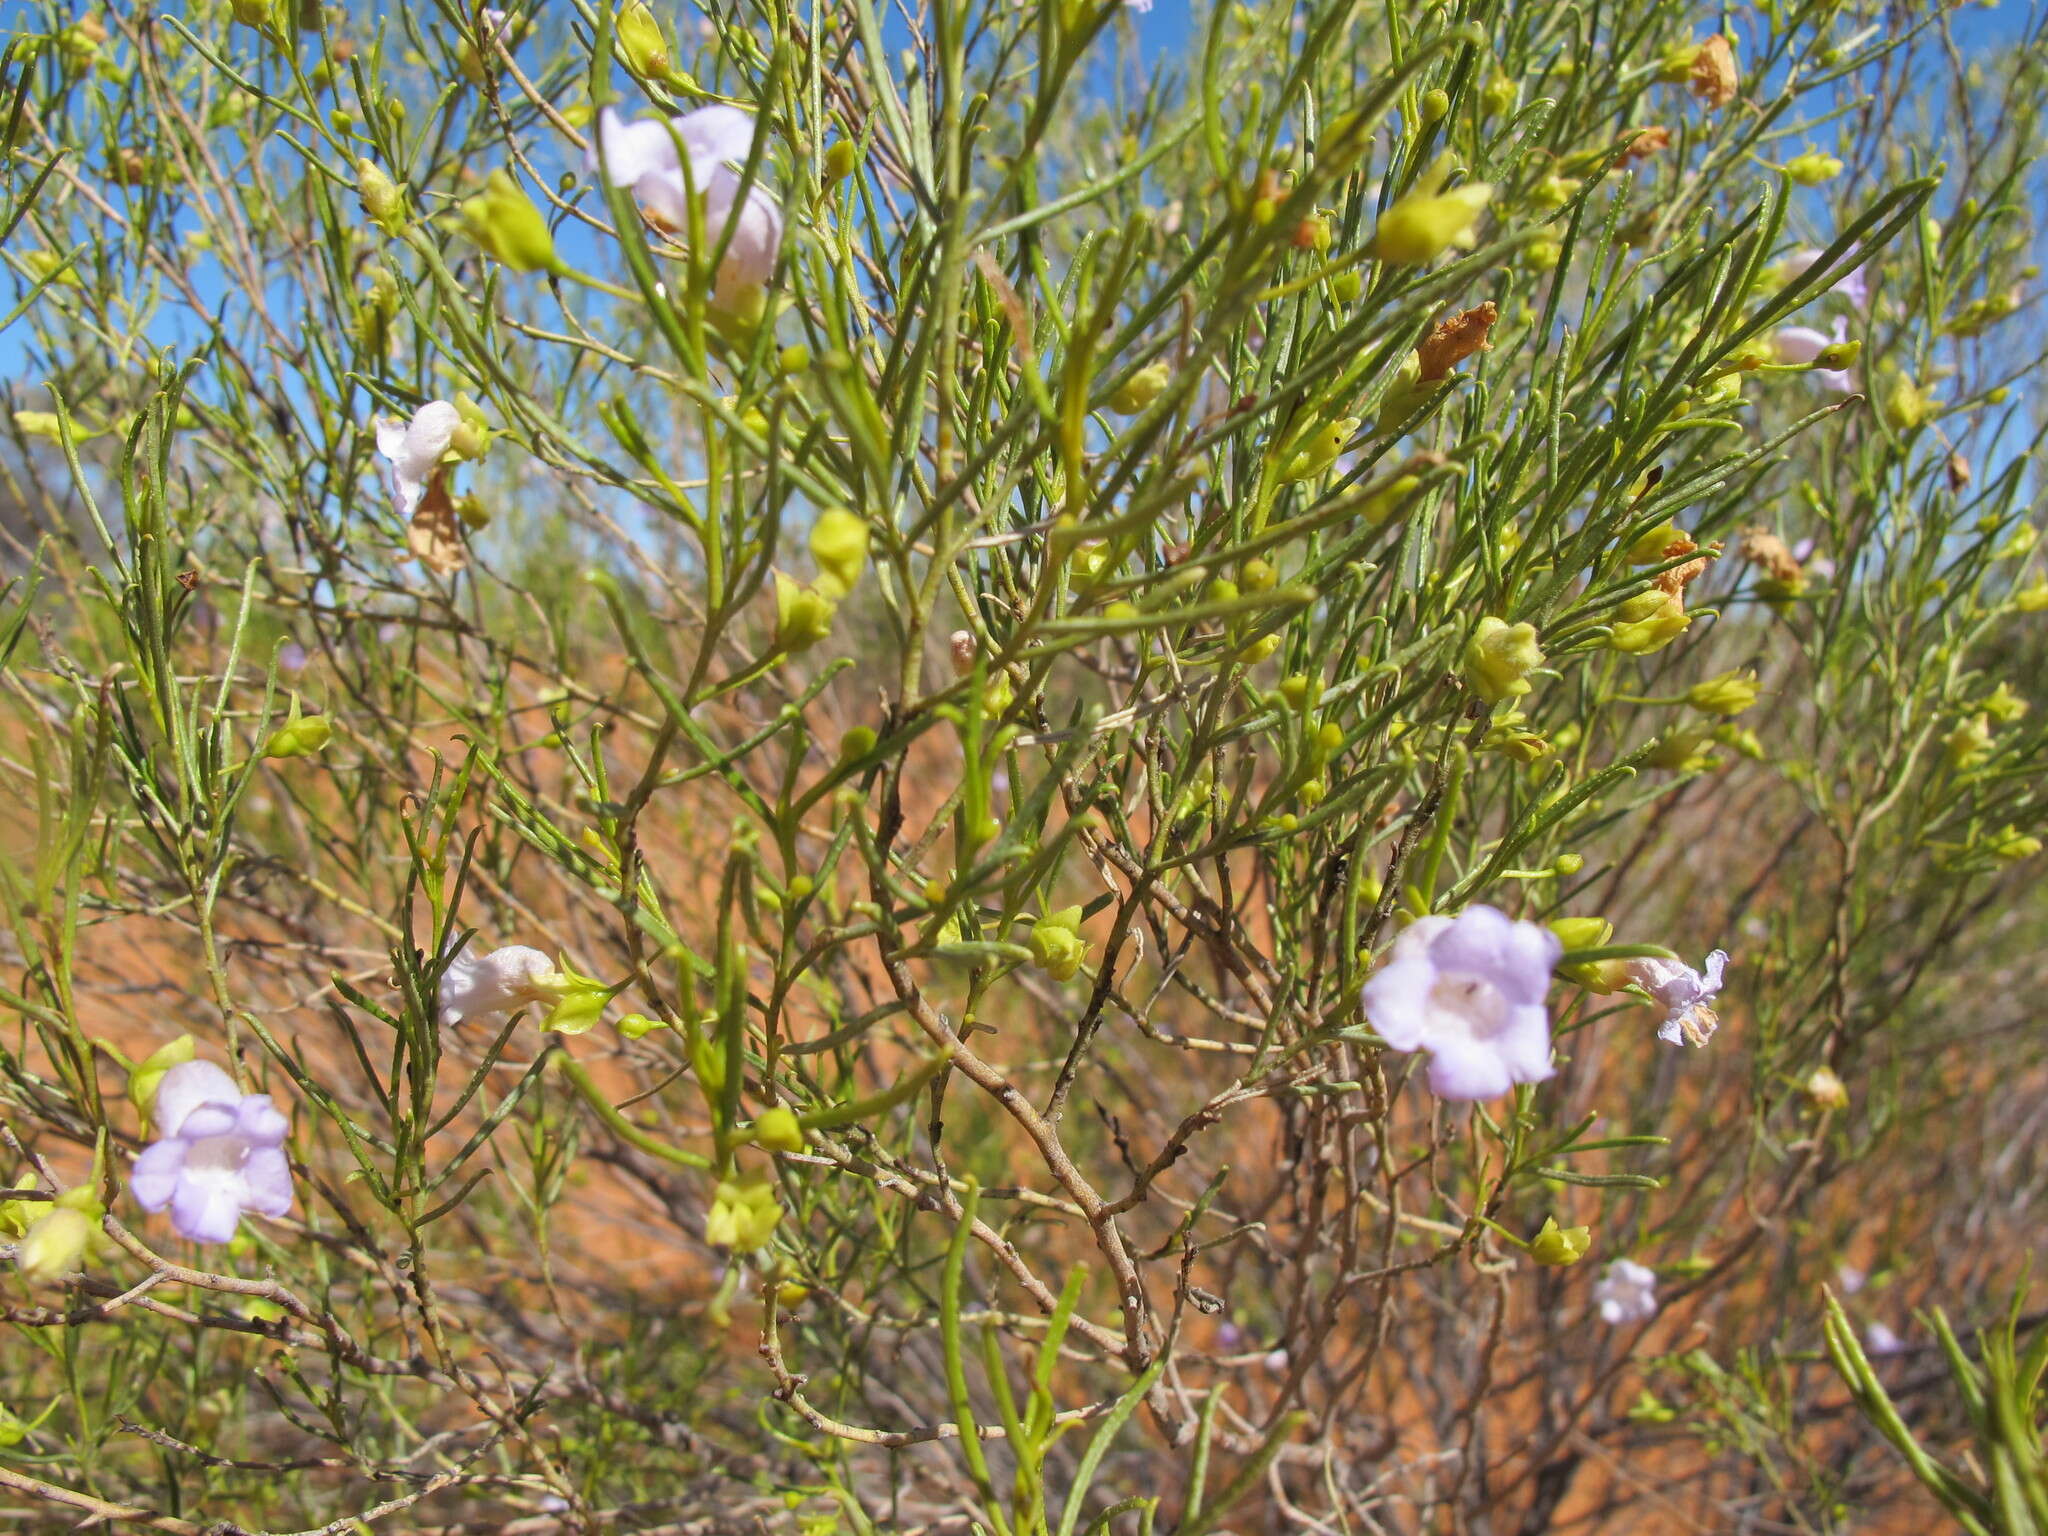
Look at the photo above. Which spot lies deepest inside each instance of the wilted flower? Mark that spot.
(1626, 1292)
(478, 986)
(1714, 78)
(220, 1153)
(644, 156)
(1451, 341)
(1469, 990)
(415, 449)
(1683, 993)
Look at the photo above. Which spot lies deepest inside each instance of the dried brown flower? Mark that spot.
(1455, 339)
(1765, 550)
(1679, 577)
(1713, 72)
(1645, 142)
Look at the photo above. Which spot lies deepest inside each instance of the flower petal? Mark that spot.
(1467, 1070)
(260, 1122)
(154, 1177)
(631, 151)
(207, 1206)
(713, 135)
(267, 1182)
(184, 1088)
(1396, 1001)
(1524, 1046)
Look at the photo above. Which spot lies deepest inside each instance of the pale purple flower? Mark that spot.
(1799, 344)
(1880, 1340)
(1683, 993)
(1851, 285)
(1626, 1292)
(1850, 1279)
(220, 1152)
(644, 156)
(1469, 990)
(291, 657)
(415, 449)
(1140, 6)
(478, 986)
(1276, 1361)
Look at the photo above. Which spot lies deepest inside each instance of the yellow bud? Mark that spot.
(1906, 405)
(1320, 449)
(841, 159)
(54, 1245)
(1056, 945)
(1648, 622)
(634, 1025)
(641, 45)
(2009, 844)
(776, 1130)
(382, 198)
(1140, 389)
(743, 1215)
(1684, 751)
(1558, 1246)
(1383, 504)
(251, 13)
(1729, 694)
(1426, 222)
(1969, 743)
(503, 220)
(839, 543)
(856, 744)
(1813, 168)
(2003, 705)
(1581, 932)
(1346, 286)
(1553, 192)
(1650, 546)
(1499, 658)
(2032, 598)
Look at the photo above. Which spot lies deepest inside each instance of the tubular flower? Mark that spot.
(1683, 993)
(1469, 990)
(415, 449)
(644, 156)
(479, 986)
(1626, 1292)
(220, 1154)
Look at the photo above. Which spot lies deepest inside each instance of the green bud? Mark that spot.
(1813, 168)
(300, 736)
(743, 1215)
(504, 222)
(856, 744)
(1346, 286)
(1426, 222)
(1648, 622)
(1729, 694)
(1838, 355)
(1321, 448)
(1969, 743)
(2009, 845)
(1436, 105)
(472, 439)
(634, 1025)
(641, 45)
(579, 1009)
(841, 158)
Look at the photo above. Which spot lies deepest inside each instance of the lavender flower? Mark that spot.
(1626, 1292)
(1683, 993)
(415, 449)
(643, 156)
(477, 986)
(220, 1154)
(1469, 990)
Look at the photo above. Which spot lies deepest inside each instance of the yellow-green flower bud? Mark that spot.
(2032, 598)
(803, 615)
(472, 436)
(143, 1080)
(634, 1025)
(1599, 976)
(839, 543)
(1140, 389)
(641, 45)
(1510, 735)
(1558, 1246)
(1729, 694)
(1258, 650)
(2003, 705)
(54, 1245)
(776, 1130)
(251, 13)
(1383, 504)
(1648, 622)
(1056, 945)
(2009, 844)
(1499, 658)
(1554, 191)
(1497, 95)
(1969, 743)
(40, 424)
(1906, 405)
(1581, 932)
(1426, 222)
(1652, 546)
(856, 744)
(1320, 450)
(1684, 751)
(841, 159)
(300, 736)
(382, 198)
(1346, 286)
(743, 1215)
(1813, 168)
(503, 220)
(1436, 105)
(1540, 253)
(1257, 575)
(1824, 1089)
